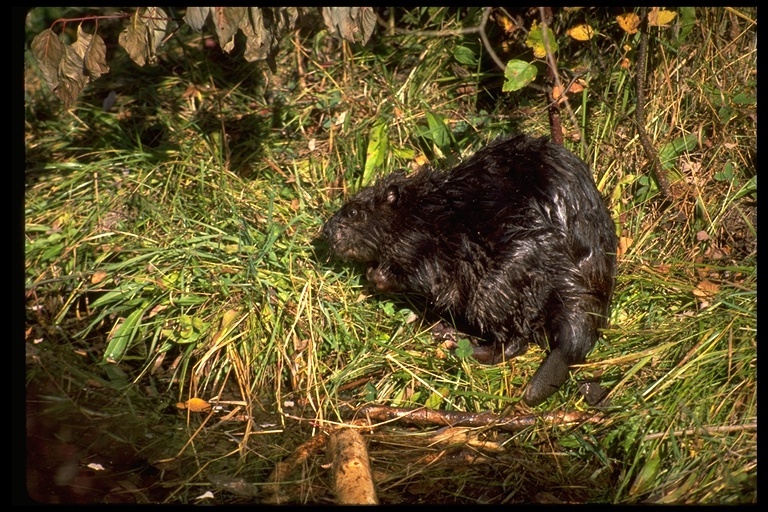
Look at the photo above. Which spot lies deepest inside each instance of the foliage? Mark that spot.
(67, 68)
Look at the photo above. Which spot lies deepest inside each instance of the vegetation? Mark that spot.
(184, 322)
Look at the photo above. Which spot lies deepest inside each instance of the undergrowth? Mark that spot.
(172, 245)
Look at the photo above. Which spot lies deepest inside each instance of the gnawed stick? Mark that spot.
(353, 483)
(370, 416)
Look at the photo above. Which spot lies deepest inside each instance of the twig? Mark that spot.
(553, 76)
(429, 417)
(703, 429)
(453, 32)
(555, 125)
(487, 43)
(650, 152)
(429, 33)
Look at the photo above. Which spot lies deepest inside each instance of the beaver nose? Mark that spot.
(328, 229)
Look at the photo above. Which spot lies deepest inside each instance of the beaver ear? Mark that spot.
(392, 194)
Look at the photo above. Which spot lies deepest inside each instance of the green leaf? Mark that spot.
(750, 189)
(465, 56)
(726, 174)
(378, 144)
(744, 99)
(669, 152)
(646, 478)
(464, 348)
(123, 333)
(52, 252)
(404, 153)
(686, 23)
(388, 308)
(517, 75)
(438, 132)
(535, 41)
(436, 398)
(370, 392)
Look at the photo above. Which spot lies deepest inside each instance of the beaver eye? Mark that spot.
(352, 213)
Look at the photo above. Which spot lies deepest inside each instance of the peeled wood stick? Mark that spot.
(351, 468)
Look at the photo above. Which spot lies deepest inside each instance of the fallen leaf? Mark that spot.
(581, 32)
(660, 17)
(628, 22)
(98, 277)
(575, 88)
(624, 244)
(194, 405)
(706, 288)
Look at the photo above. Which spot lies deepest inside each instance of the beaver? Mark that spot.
(514, 243)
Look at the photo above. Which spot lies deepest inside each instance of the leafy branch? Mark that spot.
(68, 68)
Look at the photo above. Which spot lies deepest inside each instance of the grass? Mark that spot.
(172, 252)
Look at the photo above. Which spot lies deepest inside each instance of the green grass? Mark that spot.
(171, 252)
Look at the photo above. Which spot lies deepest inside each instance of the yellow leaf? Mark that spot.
(98, 277)
(229, 317)
(628, 22)
(421, 160)
(507, 25)
(535, 41)
(660, 18)
(581, 32)
(194, 405)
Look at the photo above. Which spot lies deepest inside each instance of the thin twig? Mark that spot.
(428, 33)
(553, 80)
(645, 140)
(453, 32)
(553, 75)
(703, 429)
(425, 417)
(487, 43)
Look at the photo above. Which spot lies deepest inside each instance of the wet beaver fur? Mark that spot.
(514, 243)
